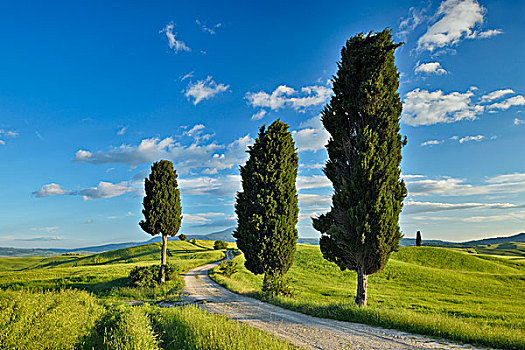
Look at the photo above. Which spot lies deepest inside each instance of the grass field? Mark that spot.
(104, 274)
(435, 291)
(78, 302)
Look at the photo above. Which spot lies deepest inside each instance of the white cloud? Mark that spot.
(519, 121)
(502, 184)
(204, 90)
(104, 190)
(187, 76)
(122, 130)
(259, 115)
(312, 182)
(211, 157)
(489, 33)
(206, 29)
(494, 95)
(408, 24)
(284, 96)
(513, 101)
(457, 20)
(476, 138)
(201, 218)
(422, 107)
(430, 68)
(412, 206)
(315, 200)
(310, 139)
(49, 190)
(174, 44)
(45, 229)
(227, 185)
(431, 142)
(8, 133)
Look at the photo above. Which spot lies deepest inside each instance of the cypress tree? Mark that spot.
(361, 229)
(162, 210)
(267, 208)
(418, 239)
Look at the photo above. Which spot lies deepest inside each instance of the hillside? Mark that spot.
(429, 290)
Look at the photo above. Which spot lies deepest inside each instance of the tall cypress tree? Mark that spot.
(361, 229)
(418, 239)
(267, 208)
(162, 210)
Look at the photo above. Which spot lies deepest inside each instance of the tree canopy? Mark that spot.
(361, 229)
(267, 207)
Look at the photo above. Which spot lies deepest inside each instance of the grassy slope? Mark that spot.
(427, 290)
(33, 317)
(104, 274)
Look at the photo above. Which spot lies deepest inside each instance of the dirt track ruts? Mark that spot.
(302, 330)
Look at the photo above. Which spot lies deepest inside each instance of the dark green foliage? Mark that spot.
(147, 276)
(162, 209)
(228, 268)
(218, 245)
(361, 229)
(267, 208)
(418, 239)
(182, 237)
(278, 285)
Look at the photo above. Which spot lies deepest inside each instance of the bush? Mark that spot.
(193, 241)
(182, 237)
(228, 268)
(220, 245)
(123, 327)
(148, 276)
(278, 285)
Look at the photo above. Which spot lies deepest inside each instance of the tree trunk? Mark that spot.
(162, 276)
(362, 286)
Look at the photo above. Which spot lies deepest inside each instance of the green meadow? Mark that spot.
(80, 302)
(440, 292)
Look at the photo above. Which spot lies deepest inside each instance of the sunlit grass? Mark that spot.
(432, 291)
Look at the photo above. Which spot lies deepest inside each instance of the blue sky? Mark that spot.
(91, 93)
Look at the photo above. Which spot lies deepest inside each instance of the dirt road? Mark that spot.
(302, 330)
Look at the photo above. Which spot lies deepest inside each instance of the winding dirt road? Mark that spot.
(302, 330)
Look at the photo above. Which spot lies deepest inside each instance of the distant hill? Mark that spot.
(519, 238)
(226, 235)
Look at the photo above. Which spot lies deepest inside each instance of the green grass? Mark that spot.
(104, 274)
(77, 302)
(123, 327)
(432, 291)
(189, 328)
(50, 320)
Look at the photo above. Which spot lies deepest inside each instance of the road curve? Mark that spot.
(302, 330)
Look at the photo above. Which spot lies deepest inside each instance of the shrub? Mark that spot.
(228, 268)
(220, 245)
(148, 276)
(278, 285)
(182, 237)
(123, 327)
(193, 241)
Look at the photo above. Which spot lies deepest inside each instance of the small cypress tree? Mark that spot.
(162, 210)
(364, 153)
(418, 239)
(267, 208)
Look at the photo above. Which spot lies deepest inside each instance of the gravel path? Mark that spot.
(302, 330)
